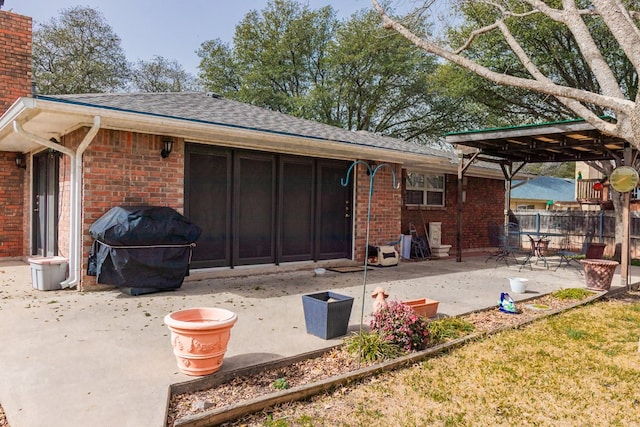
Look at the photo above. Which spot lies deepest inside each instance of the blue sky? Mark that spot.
(172, 29)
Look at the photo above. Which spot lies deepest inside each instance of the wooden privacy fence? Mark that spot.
(568, 229)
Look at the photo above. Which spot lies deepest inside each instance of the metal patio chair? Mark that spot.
(419, 245)
(589, 250)
(507, 240)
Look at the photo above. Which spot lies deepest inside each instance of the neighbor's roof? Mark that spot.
(204, 118)
(545, 188)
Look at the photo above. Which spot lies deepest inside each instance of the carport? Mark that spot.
(563, 141)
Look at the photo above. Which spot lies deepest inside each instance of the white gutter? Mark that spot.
(75, 219)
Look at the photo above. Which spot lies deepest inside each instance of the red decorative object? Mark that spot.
(597, 186)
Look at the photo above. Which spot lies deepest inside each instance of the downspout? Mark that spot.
(75, 222)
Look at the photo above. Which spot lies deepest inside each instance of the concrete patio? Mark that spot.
(104, 358)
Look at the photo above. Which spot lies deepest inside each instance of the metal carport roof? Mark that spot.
(562, 141)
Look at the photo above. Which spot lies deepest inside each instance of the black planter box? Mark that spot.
(326, 314)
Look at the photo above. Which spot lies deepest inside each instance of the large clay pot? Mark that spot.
(199, 337)
(599, 273)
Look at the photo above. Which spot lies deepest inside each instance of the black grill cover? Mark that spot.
(142, 247)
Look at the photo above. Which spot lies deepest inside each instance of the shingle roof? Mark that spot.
(545, 188)
(205, 108)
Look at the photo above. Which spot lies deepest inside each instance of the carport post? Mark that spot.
(462, 168)
(626, 202)
(509, 173)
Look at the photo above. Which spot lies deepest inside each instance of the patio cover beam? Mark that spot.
(567, 141)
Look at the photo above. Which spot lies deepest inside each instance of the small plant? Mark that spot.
(271, 422)
(400, 325)
(449, 328)
(371, 347)
(571, 293)
(281, 384)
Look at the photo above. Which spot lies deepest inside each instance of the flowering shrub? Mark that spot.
(400, 325)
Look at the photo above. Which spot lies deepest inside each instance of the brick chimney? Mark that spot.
(15, 58)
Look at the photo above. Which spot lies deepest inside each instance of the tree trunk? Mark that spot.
(617, 200)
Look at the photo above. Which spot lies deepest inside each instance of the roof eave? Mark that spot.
(52, 119)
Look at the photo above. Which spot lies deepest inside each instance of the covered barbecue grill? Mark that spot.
(143, 249)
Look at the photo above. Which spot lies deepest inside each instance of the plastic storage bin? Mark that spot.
(47, 273)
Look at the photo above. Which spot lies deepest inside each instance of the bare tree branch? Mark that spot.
(577, 107)
(475, 34)
(609, 102)
(619, 22)
(578, 99)
(572, 18)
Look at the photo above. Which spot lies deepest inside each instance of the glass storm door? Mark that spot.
(261, 208)
(208, 203)
(296, 209)
(254, 210)
(44, 229)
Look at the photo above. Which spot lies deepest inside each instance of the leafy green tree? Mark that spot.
(219, 69)
(349, 73)
(277, 58)
(379, 82)
(78, 53)
(566, 58)
(161, 75)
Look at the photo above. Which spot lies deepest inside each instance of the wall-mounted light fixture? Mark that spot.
(167, 146)
(20, 161)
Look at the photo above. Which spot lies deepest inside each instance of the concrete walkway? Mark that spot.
(104, 358)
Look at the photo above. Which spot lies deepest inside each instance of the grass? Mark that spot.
(572, 293)
(577, 368)
(371, 347)
(449, 328)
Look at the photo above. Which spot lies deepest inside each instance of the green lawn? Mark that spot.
(578, 368)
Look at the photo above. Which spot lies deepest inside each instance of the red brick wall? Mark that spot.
(386, 204)
(484, 204)
(15, 58)
(15, 81)
(12, 241)
(123, 168)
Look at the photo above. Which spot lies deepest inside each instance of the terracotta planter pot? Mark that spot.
(599, 273)
(199, 337)
(424, 307)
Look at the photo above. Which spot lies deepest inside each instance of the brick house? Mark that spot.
(264, 187)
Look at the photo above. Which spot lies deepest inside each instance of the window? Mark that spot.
(525, 207)
(422, 189)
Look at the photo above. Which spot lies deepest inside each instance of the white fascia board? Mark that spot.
(21, 110)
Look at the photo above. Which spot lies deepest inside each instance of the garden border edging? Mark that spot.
(234, 411)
